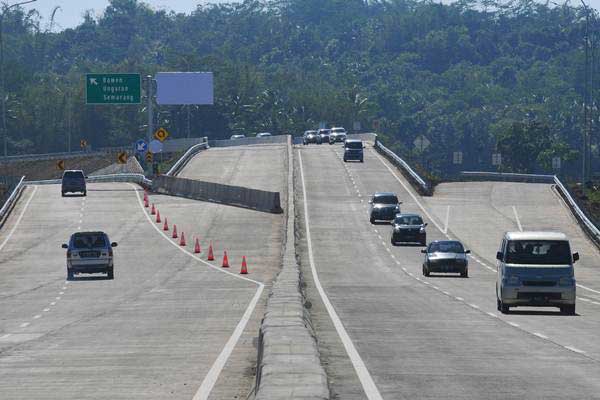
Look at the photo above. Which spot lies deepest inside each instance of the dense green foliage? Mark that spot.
(470, 77)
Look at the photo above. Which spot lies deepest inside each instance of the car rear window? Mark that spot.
(88, 241)
(385, 200)
(73, 175)
(538, 252)
(446, 247)
(354, 145)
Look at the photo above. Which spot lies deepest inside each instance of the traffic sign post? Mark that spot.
(113, 89)
(83, 143)
(496, 159)
(421, 143)
(556, 163)
(457, 157)
(141, 146)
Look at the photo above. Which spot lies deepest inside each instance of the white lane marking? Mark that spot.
(574, 349)
(57, 298)
(376, 231)
(475, 306)
(446, 293)
(46, 309)
(540, 335)
(517, 218)
(61, 293)
(492, 314)
(4, 336)
(64, 288)
(213, 374)
(18, 219)
(459, 298)
(587, 288)
(513, 324)
(25, 324)
(411, 195)
(379, 236)
(447, 219)
(435, 287)
(37, 316)
(359, 366)
(53, 303)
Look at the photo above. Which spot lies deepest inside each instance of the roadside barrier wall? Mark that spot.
(254, 199)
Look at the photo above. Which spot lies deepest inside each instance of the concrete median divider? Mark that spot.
(289, 364)
(254, 199)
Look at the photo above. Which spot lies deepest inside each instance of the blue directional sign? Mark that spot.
(141, 146)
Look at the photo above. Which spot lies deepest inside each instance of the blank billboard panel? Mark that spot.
(180, 88)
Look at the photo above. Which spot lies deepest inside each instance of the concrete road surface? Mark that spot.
(170, 325)
(386, 331)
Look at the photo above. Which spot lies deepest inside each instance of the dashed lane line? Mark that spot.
(364, 376)
(514, 208)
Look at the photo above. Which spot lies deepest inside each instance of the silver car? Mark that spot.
(536, 269)
(90, 253)
(446, 256)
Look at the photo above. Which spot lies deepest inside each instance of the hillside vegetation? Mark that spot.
(471, 77)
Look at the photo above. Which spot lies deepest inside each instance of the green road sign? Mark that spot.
(112, 88)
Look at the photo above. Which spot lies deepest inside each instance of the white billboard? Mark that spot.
(182, 88)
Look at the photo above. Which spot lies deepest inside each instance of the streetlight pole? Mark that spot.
(588, 105)
(5, 8)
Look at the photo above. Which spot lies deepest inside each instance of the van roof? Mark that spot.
(536, 235)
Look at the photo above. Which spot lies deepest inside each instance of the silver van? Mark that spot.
(536, 269)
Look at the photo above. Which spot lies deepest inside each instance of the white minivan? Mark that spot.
(536, 269)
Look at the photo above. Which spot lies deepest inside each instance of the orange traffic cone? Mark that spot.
(153, 211)
(182, 241)
(211, 256)
(174, 236)
(166, 225)
(244, 270)
(146, 204)
(197, 248)
(157, 217)
(145, 195)
(225, 260)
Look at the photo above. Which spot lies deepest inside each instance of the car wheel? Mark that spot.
(110, 274)
(372, 219)
(392, 241)
(63, 194)
(424, 241)
(465, 273)
(85, 193)
(362, 161)
(498, 304)
(70, 275)
(568, 310)
(504, 308)
(426, 271)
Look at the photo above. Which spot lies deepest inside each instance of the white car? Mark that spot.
(263, 134)
(337, 134)
(235, 137)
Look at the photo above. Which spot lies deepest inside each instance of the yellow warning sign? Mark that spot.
(161, 134)
(149, 157)
(122, 157)
(60, 164)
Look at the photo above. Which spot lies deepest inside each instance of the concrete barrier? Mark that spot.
(254, 199)
(289, 365)
(275, 139)
(505, 177)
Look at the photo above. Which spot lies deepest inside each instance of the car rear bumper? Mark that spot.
(89, 267)
(408, 237)
(447, 267)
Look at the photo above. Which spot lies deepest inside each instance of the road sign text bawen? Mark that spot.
(113, 88)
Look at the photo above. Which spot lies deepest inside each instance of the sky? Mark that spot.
(71, 13)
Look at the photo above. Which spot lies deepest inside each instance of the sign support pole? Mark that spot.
(150, 116)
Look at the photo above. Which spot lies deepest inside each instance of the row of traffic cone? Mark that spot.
(182, 242)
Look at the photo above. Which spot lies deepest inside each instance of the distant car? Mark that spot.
(384, 207)
(535, 269)
(446, 256)
(324, 134)
(90, 253)
(311, 137)
(234, 137)
(353, 150)
(409, 228)
(337, 135)
(73, 181)
(263, 134)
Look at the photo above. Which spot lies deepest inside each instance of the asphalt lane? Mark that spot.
(168, 325)
(418, 337)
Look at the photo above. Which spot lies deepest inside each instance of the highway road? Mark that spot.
(385, 331)
(170, 325)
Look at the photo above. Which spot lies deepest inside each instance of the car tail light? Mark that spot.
(110, 252)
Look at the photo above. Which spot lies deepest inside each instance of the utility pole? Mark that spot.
(149, 93)
(5, 9)
(588, 103)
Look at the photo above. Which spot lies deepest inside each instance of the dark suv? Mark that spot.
(384, 207)
(353, 150)
(89, 253)
(73, 181)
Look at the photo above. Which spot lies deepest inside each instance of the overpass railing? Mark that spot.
(10, 201)
(133, 178)
(584, 221)
(187, 156)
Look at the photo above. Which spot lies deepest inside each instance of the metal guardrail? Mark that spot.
(192, 151)
(420, 182)
(11, 199)
(588, 225)
(50, 156)
(275, 139)
(134, 178)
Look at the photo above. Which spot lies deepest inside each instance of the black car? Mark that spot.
(409, 228)
(73, 181)
(353, 150)
(446, 256)
(324, 134)
(311, 137)
(384, 207)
